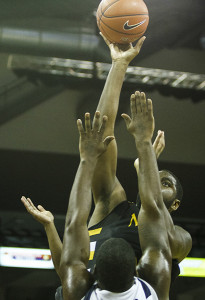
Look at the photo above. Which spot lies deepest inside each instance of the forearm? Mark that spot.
(150, 189)
(149, 181)
(105, 172)
(109, 100)
(80, 197)
(158, 145)
(55, 244)
(79, 206)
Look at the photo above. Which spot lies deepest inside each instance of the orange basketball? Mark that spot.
(122, 21)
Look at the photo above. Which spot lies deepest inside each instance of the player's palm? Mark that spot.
(39, 213)
(141, 122)
(92, 143)
(124, 52)
(43, 216)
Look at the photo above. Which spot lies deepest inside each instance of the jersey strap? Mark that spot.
(145, 288)
(89, 293)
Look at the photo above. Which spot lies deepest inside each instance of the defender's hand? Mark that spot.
(41, 215)
(141, 122)
(92, 144)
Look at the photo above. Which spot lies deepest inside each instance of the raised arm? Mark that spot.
(155, 264)
(158, 145)
(141, 126)
(75, 278)
(182, 239)
(46, 218)
(105, 181)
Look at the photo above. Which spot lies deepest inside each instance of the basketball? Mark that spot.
(122, 21)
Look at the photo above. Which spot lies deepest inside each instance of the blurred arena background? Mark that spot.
(53, 64)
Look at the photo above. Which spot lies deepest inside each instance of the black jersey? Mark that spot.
(120, 223)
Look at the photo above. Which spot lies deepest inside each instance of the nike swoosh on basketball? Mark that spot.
(128, 27)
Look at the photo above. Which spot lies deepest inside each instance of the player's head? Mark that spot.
(115, 265)
(172, 190)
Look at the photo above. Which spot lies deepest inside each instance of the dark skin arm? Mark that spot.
(75, 278)
(158, 145)
(46, 218)
(155, 264)
(107, 190)
(182, 239)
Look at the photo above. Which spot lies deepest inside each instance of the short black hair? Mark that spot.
(115, 265)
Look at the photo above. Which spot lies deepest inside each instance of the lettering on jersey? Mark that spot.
(133, 219)
(92, 250)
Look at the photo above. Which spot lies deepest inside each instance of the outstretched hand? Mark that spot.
(125, 53)
(43, 216)
(141, 122)
(92, 144)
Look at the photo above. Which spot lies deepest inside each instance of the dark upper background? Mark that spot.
(38, 136)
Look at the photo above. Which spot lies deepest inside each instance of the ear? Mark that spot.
(175, 205)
